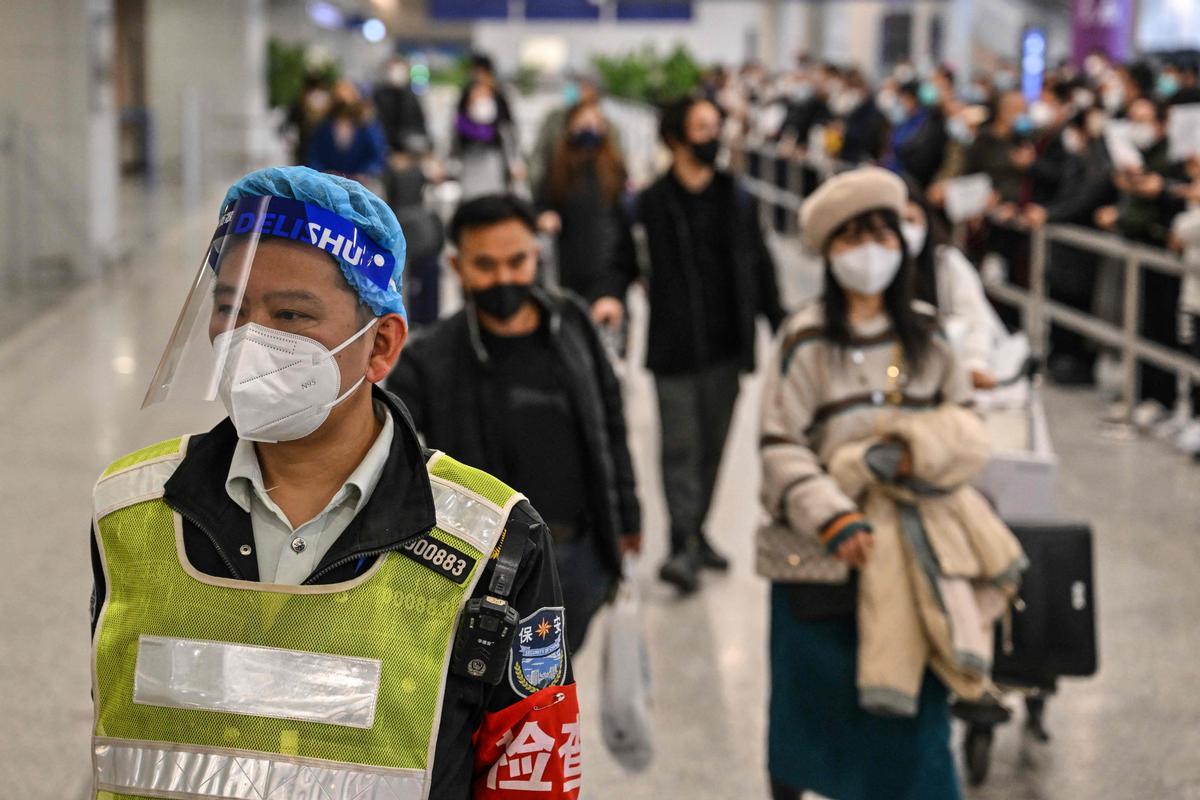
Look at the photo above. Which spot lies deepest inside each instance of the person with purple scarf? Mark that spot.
(484, 140)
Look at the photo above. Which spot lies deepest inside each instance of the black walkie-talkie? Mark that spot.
(485, 631)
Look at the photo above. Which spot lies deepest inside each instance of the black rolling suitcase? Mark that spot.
(1051, 632)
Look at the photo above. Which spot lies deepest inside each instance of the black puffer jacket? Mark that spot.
(445, 380)
(676, 340)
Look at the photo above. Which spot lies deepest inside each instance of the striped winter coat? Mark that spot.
(818, 398)
(943, 565)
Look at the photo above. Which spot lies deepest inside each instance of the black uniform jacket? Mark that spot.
(445, 378)
(401, 507)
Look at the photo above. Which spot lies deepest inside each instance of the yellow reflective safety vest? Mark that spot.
(212, 687)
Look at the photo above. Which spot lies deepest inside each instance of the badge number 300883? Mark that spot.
(440, 557)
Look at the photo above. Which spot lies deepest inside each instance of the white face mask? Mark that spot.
(277, 386)
(343, 133)
(845, 102)
(1082, 99)
(1143, 134)
(802, 92)
(483, 111)
(867, 269)
(958, 130)
(1041, 114)
(1095, 125)
(1072, 141)
(914, 236)
(1112, 98)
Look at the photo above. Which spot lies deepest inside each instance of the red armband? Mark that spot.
(530, 749)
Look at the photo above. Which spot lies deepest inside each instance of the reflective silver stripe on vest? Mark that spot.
(259, 681)
(180, 771)
(134, 485)
(467, 515)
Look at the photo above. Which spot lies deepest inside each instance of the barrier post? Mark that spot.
(14, 271)
(1129, 331)
(795, 185)
(756, 167)
(1035, 314)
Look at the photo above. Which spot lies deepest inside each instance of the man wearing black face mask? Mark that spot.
(711, 277)
(518, 380)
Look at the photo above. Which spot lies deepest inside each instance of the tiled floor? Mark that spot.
(73, 382)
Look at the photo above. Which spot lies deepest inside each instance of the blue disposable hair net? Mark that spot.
(352, 202)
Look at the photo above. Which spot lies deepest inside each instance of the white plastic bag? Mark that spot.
(625, 700)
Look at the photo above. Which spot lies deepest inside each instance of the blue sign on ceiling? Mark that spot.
(561, 9)
(468, 9)
(633, 10)
(654, 9)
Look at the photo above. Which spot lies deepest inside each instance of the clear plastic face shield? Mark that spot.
(263, 279)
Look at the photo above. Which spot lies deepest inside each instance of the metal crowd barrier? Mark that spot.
(768, 159)
(1037, 310)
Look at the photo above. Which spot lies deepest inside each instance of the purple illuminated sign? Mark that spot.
(1101, 25)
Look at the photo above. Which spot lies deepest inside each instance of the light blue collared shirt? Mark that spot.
(288, 555)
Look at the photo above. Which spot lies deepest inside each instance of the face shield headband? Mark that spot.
(191, 367)
(360, 257)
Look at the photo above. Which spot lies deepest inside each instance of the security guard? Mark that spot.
(302, 602)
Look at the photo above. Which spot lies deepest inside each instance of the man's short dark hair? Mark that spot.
(491, 209)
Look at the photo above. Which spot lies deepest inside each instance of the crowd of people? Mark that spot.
(520, 381)
(574, 188)
(1091, 149)
(1049, 160)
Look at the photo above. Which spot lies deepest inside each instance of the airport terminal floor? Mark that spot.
(74, 376)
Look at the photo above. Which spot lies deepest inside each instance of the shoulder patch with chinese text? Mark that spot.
(538, 656)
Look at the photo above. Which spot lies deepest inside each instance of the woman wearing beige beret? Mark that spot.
(848, 370)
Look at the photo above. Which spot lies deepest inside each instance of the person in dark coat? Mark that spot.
(1084, 184)
(1143, 214)
(307, 112)
(409, 170)
(866, 126)
(399, 110)
(711, 277)
(350, 143)
(1002, 149)
(919, 141)
(1004, 152)
(518, 380)
(582, 203)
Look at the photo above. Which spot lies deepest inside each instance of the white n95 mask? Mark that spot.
(867, 269)
(914, 237)
(278, 386)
